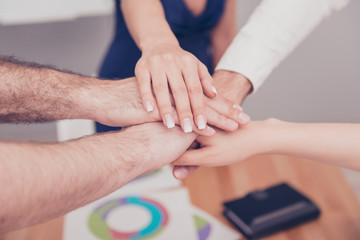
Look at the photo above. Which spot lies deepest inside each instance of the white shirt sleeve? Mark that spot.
(272, 32)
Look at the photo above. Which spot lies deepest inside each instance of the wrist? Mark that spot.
(83, 97)
(159, 41)
(232, 85)
(122, 156)
(273, 136)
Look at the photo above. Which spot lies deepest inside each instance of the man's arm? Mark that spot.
(42, 181)
(32, 92)
(273, 31)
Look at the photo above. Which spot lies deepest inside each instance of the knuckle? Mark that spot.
(144, 89)
(184, 113)
(199, 111)
(198, 108)
(188, 58)
(154, 60)
(139, 65)
(179, 90)
(202, 67)
(221, 121)
(146, 94)
(159, 86)
(140, 72)
(232, 112)
(168, 57)
(164, 106)
(195, 90)
(142, 64)
(185, 159)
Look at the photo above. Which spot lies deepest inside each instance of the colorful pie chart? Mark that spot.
(98, 225)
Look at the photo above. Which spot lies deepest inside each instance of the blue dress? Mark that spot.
(192, 32)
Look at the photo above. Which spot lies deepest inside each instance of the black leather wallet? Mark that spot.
(261, 213)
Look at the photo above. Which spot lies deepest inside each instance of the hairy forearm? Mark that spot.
(147, 24)
(31, 92)
(43, 181)
(334, 143)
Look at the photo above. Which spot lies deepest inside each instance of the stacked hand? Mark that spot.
(118, 103)
(169, 70)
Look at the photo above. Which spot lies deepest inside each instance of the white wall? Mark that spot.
(77, 45)
(319, 82)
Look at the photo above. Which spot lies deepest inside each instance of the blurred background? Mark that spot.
(318, 82)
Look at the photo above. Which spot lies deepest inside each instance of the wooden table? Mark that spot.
(209, 187)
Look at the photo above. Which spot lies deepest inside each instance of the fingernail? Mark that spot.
(149, 106)
(238, 107)
(210, 130)
(244, 118)
(232, 124)
(181, 173)
(201, 122)
(214, 89)
(187, 125)
(169, 121)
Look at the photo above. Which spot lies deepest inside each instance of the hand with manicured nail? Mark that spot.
(225, 148)
(118, 103)
(167, 71)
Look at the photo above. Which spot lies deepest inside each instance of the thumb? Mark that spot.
(192, 157)
(182, 172)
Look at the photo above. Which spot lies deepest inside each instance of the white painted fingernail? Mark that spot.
(169, 121)
(232, 124)
(201, 122)
(187, 125)
(149, 106)
(210, 131)
(214, 89)
(244, 118)
(238, 107)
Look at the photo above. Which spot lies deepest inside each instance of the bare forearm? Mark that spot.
(31, 92)
(146, 22)
(43, 181)
(334, 143)
(225, 31)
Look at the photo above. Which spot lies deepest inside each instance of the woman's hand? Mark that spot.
(228, 148)
(118, 103)
(169, 70)
(177, 75)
